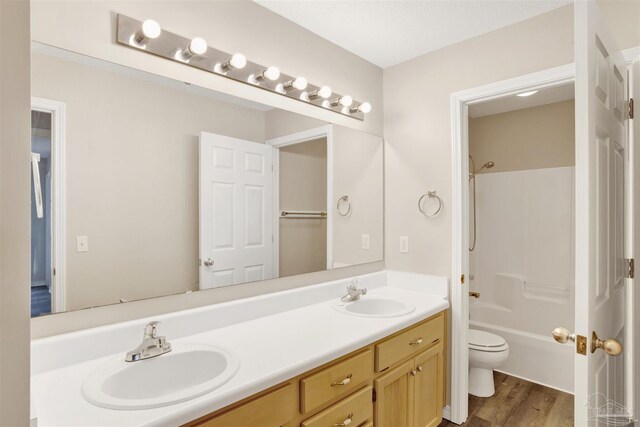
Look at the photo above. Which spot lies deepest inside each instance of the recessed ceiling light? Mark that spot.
(523, 94)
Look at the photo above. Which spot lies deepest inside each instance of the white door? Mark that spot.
(236, 211)
(601, 145)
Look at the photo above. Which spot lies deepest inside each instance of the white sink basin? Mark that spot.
(188, 371)
(373, 306)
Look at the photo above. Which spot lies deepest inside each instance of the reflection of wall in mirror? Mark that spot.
(358, 173)
(303, 187)
(140, 209)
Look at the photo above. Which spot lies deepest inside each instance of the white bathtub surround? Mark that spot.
(276, 337)
(523, 267)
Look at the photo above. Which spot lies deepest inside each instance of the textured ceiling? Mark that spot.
(389, 32)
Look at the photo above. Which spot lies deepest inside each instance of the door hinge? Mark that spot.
(462, 279)
(54, 271)
(631, 269)
(630, 108)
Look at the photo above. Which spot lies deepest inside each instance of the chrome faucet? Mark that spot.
(353, 292)
(152, 345)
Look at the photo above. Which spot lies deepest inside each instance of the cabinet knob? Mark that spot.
(419, 368)
(346, 422)
(416, 342)
(345, 381)
(414, 372)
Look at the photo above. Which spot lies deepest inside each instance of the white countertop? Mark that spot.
(272, 348)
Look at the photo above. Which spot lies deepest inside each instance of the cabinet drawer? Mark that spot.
(354, 410)
(409, 342)
(335, 380)
(276, 408)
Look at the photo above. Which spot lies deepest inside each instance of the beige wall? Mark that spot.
(132, 178)
(229, 25)
(623, 17)
(531, 138)
(15, 124)
(303, 187)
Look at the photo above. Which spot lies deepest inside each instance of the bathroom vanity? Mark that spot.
(301, 360)
(397, 381)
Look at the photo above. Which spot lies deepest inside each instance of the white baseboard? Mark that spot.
(446, 413)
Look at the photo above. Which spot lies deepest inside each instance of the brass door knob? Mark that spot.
(610, 346)
(562, 335)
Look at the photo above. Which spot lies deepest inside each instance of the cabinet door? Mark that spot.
(394, 397)
(428, 381)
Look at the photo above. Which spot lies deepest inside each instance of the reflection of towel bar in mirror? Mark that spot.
(303, 214)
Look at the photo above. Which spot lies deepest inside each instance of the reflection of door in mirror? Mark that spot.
(302, 181)
(41, 269)
(236, 208)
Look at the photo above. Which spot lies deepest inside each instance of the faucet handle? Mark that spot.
(354, 284)
(151, 330)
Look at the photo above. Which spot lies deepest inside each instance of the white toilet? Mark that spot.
(486, 352)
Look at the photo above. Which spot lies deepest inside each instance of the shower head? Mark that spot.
(487, 165)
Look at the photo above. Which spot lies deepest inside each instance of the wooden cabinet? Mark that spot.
(395, 382)
(273, 409)
(410, 395)
(429, 384)
(335, 380)
(394, 397)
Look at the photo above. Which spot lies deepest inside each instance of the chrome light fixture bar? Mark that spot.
(196, 53)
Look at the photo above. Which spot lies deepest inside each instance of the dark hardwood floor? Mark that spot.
(519, 403)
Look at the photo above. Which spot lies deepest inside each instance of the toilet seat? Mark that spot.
(485, 341)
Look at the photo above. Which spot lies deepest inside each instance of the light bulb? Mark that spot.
(324, 92)
(365, 107)
(150, 30)
(237, 62)
(271, 73)
(299, 83)
(345, 101)
(198, 46)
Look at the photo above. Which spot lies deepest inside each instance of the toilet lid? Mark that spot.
(482, 339)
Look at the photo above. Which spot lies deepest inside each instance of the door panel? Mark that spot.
(394, 397)
(428, 387)
(236, 211)
(601, 144)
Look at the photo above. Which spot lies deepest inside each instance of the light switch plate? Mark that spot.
(82, 244)
(404, 244)
(366, 241)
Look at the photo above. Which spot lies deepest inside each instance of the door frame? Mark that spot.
(58, 199)
(292, 139)
(460, 102)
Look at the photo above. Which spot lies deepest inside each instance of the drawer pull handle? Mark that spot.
(346, 422)
(416, 342)
(345, 381)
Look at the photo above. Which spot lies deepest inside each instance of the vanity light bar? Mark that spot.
(147, 36)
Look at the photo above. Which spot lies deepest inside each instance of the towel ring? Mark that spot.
(430, 194)
(341, 201)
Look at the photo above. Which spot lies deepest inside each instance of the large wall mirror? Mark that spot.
(144, 186)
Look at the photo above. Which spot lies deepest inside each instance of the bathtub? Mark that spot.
(534, 357)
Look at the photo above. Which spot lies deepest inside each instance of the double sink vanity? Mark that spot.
(309, 357)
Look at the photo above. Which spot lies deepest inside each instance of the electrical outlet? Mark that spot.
(82, 244)
(404, 244)
(366, 241)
